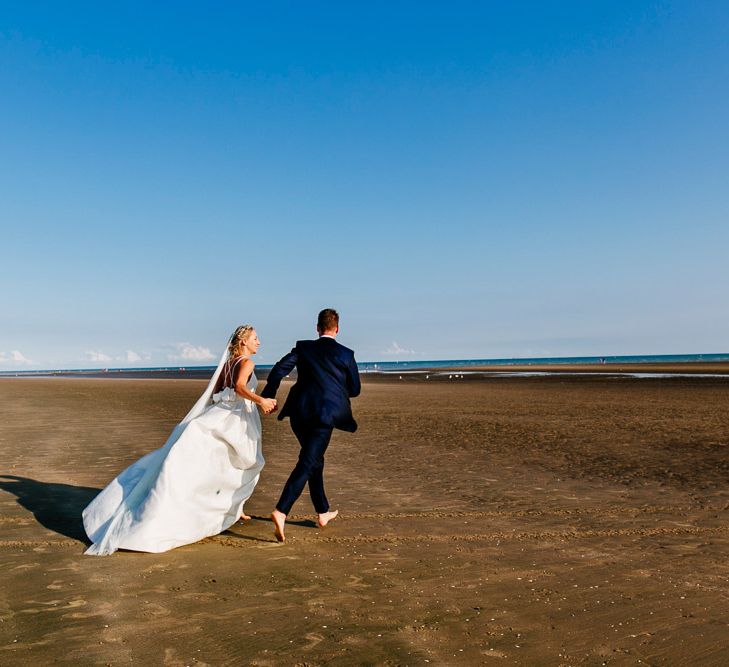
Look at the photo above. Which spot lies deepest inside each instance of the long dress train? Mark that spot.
(193, 487)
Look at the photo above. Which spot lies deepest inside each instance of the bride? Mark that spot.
(196, 484)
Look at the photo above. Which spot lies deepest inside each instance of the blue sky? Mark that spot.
(460, 180)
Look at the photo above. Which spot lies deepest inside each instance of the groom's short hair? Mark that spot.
(328, 320)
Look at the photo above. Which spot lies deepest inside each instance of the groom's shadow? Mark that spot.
(55, 506)
(306, 523)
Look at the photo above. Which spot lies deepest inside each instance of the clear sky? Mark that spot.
(459, 179)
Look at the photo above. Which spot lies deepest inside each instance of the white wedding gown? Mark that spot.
(191, 488)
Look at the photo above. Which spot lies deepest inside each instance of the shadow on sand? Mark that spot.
(307, 523)
(55, 506)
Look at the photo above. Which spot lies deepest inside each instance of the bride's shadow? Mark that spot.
(55, 506)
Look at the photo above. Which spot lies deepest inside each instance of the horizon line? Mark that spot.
(502, 360)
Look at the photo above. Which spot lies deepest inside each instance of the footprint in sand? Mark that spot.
(51, 605)
(98, 610)
(25, 566)
(313, 638)
(78, 602)
(355, 582)
(154, 610)
(72, 566)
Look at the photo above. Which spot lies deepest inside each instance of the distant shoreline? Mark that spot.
(465, 371)
(670, 363)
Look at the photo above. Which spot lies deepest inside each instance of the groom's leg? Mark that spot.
(314, 441)
(322, 436)
(316, 490)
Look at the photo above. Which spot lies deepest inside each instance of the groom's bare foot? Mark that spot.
(279, 520)
(326, 517)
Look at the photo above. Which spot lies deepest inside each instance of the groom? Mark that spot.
(317, 404)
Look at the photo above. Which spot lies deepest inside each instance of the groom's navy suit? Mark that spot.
(317, 404)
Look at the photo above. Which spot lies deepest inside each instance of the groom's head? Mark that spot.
(328, 322)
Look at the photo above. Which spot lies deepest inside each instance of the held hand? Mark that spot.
(268, 405)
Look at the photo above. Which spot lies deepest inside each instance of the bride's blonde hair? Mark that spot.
(237, 340)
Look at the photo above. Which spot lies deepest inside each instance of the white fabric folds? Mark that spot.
(194, 486)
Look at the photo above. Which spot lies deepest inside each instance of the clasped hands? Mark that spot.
(268, 405)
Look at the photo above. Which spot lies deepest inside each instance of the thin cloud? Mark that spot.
(15, 357)
(397, 350)
(189, 352)
(97, 356)
(132, 357)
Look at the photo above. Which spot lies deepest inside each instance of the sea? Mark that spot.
(387, 367)
(394, 366)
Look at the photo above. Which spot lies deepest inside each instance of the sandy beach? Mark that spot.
(505, 521)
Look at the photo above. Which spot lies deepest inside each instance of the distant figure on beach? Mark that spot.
(317, 404)
(196, 484)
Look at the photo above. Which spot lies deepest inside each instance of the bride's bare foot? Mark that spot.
(326, 517)
(244, 517)
(279, 520)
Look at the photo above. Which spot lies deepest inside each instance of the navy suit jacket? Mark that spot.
(327, 379)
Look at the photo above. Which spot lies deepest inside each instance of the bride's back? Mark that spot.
(229, 375)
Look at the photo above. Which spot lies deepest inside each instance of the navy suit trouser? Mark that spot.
(314, 440)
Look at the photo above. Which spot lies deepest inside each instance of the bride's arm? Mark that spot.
(268, 405)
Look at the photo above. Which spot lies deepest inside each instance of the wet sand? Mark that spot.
(529, 521)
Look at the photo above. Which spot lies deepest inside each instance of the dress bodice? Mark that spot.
(228, 395)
